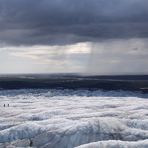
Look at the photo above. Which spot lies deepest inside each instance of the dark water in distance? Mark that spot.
(75, 81)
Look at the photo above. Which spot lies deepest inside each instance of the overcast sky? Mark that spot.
(84, 36)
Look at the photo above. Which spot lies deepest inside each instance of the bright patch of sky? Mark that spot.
(122, 56)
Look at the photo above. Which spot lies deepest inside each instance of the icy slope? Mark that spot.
(66, 119)
(116, 144)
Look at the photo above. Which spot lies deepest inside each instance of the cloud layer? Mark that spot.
(107, 57)
(25, 22)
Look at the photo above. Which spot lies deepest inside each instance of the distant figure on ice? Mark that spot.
(6, 105)
(31, 143)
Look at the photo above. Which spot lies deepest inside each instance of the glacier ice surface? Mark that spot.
(73, 118)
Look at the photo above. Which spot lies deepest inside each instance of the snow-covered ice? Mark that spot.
(73, 118)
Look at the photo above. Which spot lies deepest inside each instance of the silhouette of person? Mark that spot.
(31, 143)
(4, 105)
(8, 105)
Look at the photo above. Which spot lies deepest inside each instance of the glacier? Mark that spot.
(51, 118)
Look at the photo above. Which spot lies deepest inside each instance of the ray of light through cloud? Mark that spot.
(95, 37)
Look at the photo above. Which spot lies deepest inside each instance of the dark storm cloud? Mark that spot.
(30, 22)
